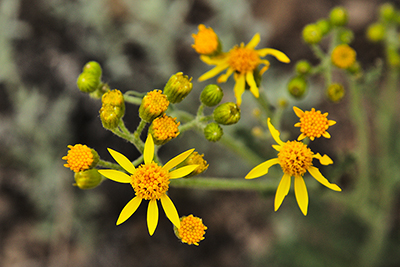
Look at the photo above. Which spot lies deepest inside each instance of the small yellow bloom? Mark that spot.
(163, 129)
(150, 181)
(198, 159)
(313, 124)
(295, 159)
(242, 61)
(80, 158)
(206, 41)
(154, 104)
(343, 56)
(192, 230)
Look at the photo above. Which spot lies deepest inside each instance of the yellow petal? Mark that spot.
(274, 132)
(276, 53)
(326, 135)
(170, 210)
(217, 60)
(324, 160)
(254, 41)
(181, 172)
(239, 88)
(301, 137)
(252, 83)
(331, 122)
(214, 71)
(123, 161)
(298, 112)
(277, 147)
(116, 176)
(148, 153)
(176, 160)
(300, 190)
(224, 77)
(320, 178)
(129, 209)
(152, 216)
(266, 67)
(282, 191)
(261, 169)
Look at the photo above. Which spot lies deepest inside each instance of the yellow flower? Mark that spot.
(243, 61)
(163, 129)
(154, 104)
(206, 41)
(343, 56)
(313, 124)
(295, 159)
(150, 181)
(80, 158)
(191, 231)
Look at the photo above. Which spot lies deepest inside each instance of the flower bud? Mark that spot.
(393, 57)
(335, 92)
(81, 158)
(195, 159)
(93, 68)
(163, 129)
(191, 230)
(297, 86)
(87, 82)
(387, 12)
(109, 116)
(113, 98)
(227, 113)
(88, 179)
(178, 87)
(338, 16)
(154, 104)
(346, 36)
(206, 41)
(213, 132)
(376, 32)
(211, 95)
(324, 26)
(312, 34)
(303, 67)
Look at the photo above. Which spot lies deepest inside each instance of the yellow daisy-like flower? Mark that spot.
(343, 56)
(206, 41)
(295, 159)
(313, 124)
(150, 181)
(243, 61)
(191, 231)
(80, 158)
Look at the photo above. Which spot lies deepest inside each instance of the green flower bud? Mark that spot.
(87, 82)
(335, 92)
(312, 34)
(178, 87)
(227, 113)
(376, 32)
(211, 95)
(113, 98)
(109, 116)
(213, 132)
(297, 86)
(324, 26)
(393, 57)
(387, 12)
(346, 36)
(355, 68)
(338, 16)
(88, 179)
(93, 68)
(303, 67)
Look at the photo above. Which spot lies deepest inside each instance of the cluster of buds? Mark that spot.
(112, 109)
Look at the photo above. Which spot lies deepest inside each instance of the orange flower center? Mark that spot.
(79, 158)
(192, 230)
(313, 123)
(295, 158)
(243, 59)
(155, 102)
(150, 181)
(164, 128)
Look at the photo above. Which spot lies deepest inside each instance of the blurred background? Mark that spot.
(45, 221)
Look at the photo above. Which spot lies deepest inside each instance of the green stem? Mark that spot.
(241, 149)
(107, 164)
(264, 105)
(132, 99)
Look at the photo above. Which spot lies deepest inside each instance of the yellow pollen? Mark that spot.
(150, 181)
(295, 158)
(192, 230)
(343, 56)
(314, 124)
(79, 158)
(155, 102)
(205, 41)
(165, 128)
(243, 59)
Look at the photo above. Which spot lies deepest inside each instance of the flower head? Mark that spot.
(191, 231)
(163, 129)
(154, 103)
(313, 124)
(150, 181)
(80, 158)
(343, 56)
(198, 159)
(206, 41)
(295, 159)
(243, 61)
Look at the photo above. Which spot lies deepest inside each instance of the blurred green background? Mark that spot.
(45, 221)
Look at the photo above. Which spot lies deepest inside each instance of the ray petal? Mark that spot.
(224, 77)
(324, 160)
(152, 216)
(170, 210)
(298, 112)
(252, 83)
(176, 160)
(276, 53)
(123, 161)
(116, 176)
(300, 190)
(326, 135)
(214, 71)
(282, 191)
(148, 153)
(183, 171)
(320, 178)
(331, 122)
(254, 41)
(274, 132)
(261, 169)
(239, 88)
(129, 209)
